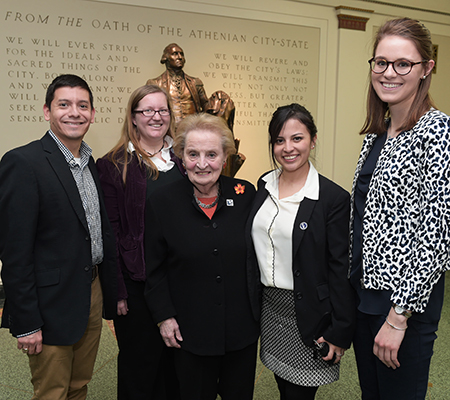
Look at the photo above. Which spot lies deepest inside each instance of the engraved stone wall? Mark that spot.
(116, 48)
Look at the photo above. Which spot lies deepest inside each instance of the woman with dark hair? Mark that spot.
(299, 227)
(400, 209)
(202, 288)
(142, 161)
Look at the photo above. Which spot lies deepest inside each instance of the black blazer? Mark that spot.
(197, 269)
(324, 299)
(45, 246)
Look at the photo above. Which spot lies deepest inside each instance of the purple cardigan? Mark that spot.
(125, 205)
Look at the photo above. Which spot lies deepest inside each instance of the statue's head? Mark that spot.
(173, 57)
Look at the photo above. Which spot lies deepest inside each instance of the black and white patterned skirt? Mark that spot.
(282, 349)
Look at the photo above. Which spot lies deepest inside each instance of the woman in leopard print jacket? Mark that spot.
(400, 217)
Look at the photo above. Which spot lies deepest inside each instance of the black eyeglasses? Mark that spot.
(150, 113)
(401, 67)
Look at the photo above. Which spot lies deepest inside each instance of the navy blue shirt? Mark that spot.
(370, 301)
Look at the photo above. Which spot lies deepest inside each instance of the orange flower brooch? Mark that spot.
(240, 189)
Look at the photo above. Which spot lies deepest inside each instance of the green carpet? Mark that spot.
(15, 376)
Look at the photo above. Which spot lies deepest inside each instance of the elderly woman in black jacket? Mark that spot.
(202, 289)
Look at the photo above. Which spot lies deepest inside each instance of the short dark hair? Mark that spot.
(283, 114)
(67, 80)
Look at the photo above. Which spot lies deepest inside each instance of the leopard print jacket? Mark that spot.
(406, 222)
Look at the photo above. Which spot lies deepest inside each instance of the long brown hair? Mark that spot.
(119, 154)
(378, 110)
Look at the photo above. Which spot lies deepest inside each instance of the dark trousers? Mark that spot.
(232, 375)
(145, 364)
(291, 391)
(410, 380)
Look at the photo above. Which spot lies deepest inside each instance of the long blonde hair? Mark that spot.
(119, 154)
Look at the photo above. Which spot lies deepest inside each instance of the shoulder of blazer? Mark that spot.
(231, 182)
(241, 190)
(261, 184)
(49, 154)
(49, 144)
(329, 186)
(44, 153)
(134, 171)
(37, 148)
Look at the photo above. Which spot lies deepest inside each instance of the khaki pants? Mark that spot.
(63, 372)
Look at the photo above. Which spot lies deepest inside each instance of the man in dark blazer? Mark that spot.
(56, 247)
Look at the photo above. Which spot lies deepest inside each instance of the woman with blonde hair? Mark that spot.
(141, 162)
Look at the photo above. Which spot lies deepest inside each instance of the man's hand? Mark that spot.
(31, 344)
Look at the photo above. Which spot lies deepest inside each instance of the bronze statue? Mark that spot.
(189, 97)
(187, 93)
